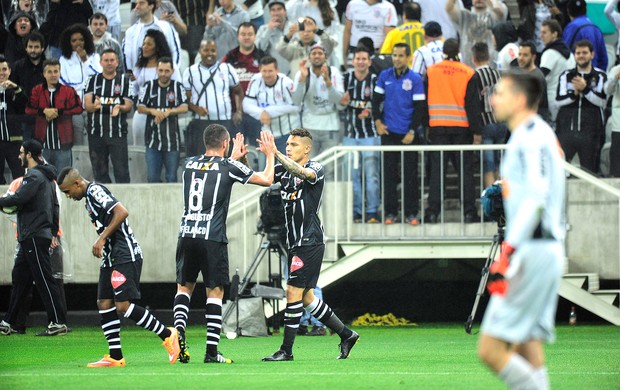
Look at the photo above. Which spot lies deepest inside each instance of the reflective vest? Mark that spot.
(447, 85)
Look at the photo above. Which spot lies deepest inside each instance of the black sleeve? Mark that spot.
(377, 102)
(55, 212)
(418, 113)
(472, 106)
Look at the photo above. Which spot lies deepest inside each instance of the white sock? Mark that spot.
(518, 373)
(542, 377)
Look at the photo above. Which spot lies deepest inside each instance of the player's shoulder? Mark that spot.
(239, 165)
(314, 165)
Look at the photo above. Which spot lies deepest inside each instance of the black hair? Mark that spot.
(412, 11)
(36, 36)
(480, 52)
(214, 135)
(299, 132)
(529, 44)
(451, 49)
(161, 47)
(246, 24)
(584, 43)
(165, 60)
(554, 26)
(98, 15)
(403, 45)
(65, 39)
(526, 83)
(266, 60)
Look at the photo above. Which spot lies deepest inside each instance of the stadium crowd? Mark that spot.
(359, 72)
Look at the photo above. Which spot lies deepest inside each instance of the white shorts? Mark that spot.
(527, 311)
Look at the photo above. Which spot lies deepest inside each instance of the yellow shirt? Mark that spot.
(411, 33)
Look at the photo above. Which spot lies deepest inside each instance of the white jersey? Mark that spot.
(110, 8)
(370, 20)
(534, 184)
(216, 96)
(276, 100)
(427, 55)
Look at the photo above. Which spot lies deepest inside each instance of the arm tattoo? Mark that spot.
(294, 168)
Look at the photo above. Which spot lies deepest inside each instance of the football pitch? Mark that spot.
(433, 356)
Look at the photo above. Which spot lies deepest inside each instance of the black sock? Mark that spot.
(111, 326)
(145, 319)
(292, 316)
(213, 315)
(322, 312)
(181, 311)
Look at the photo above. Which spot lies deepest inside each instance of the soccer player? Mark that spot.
(121, 264)
(202, 245)
(524, 281)
(302, 190)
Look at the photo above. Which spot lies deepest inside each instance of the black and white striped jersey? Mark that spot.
(121, 246)
(487, 78)
(164, 136)
(276, 100)
(207, 184)
(111, 92)
(216, 97)
(360, 92)
(52, 134)
(302, 200)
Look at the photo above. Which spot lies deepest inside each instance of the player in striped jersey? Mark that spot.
(432, 52)
(121, 264)
(202, 246)
(108, 99)
(269, 100)
(163, 99)
(302, 190)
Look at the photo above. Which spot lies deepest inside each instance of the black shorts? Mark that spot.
(304, 263)
(120, 282)
(198, 255)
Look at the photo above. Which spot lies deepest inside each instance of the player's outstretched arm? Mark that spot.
(267, 145)
(294, 168)
(119, 214)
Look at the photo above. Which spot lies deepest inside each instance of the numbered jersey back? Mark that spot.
(207, 182)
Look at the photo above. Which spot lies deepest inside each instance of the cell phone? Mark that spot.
(300, 23)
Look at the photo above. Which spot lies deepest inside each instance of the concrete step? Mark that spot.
(585, 281)
(610, 296)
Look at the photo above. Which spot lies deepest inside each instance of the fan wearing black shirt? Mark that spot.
(302, 189)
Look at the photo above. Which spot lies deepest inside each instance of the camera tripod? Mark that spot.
(498, 239)
(272, 243)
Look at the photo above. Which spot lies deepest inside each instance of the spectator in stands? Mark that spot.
(318, 89)
(154, 47)
(580, 28)
(269, 100)
(135, 35)
(493, 133)
(533, 14)
(111, 10)
(527, 62)
(378, 62)
(20, 26)
(162, 100)
(360, 130)
(222, 26)
(432, 52)
(506, 45)
(612, 88)
(453, 119)
(270, 34)
(210, 85)
(371, 18)
(435, 11)
(555, 59)
(104, 40)
(254, 8)
(397, 109)
(582, 99)
(321, 11)
(53, 104)
(611, 11)
(62, 14)
(411, 31)
(36, 9)
(165, 10)
(78, 62)
(475, 25)
(295, 45)
(193, 15)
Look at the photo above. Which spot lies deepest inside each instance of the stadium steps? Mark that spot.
(583, 289)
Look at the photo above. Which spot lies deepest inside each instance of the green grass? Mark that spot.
(427, 357)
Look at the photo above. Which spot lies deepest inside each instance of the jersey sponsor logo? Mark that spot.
(291, 196)
(314, 165)
(110, 101)
(407, 85)
(199, 217)
(241, 166)
(296, 263)
(194, 230)
(100, 196)
(117, 279)
(203, 166)
(367, 91)
(3, 106)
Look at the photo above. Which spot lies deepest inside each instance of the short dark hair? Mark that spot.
(480, 52)
(403, 45)
(165, 60)
(51, 62)
(584, 43)
(63, 174)
(412, 11)
(299, 132)
(362, 49)
(526, 83)
(367, 43)
(214, 135)
(246, 24)
(162, 49)
(451, 48)
(576, 8)
(33, 147)
(554, 26)
(3, 59)
(267, 60)
(529, 44)
(98, 15)
(153, 3)
(109, 50)
(36, 36)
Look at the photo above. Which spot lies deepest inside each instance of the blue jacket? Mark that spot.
(591, 33)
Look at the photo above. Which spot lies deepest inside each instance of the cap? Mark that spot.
(272, 2)
(432, 29)
(318, 46)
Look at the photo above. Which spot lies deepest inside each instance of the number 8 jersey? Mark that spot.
(207, 183)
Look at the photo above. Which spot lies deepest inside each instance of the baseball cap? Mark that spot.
(272, 2)
(432, 29)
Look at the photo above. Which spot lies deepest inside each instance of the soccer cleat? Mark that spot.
(5, 328)
(54, 329)
(218, 358)
(171, 343)
(347, 345)
(183, 349)
(278, 356)
(107, 361)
